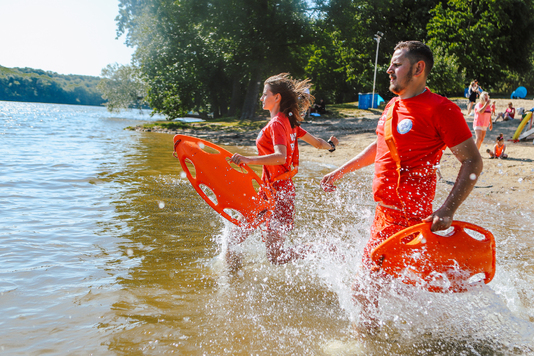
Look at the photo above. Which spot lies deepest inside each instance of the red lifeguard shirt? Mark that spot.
(423, 126)
(278, 131)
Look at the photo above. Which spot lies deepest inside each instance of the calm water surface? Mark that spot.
(106, 249)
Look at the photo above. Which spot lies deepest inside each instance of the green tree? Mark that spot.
(122, 87)
(36, 85)
(346, 53)
(486, 37)
(211, 55)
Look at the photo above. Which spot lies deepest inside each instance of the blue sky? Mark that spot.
(64, 36)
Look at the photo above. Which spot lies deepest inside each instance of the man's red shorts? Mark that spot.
(386, 223)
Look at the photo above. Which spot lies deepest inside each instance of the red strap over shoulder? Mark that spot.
(390, 142)
(388, 134)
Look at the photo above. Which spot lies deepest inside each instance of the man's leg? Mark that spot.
(368, 284)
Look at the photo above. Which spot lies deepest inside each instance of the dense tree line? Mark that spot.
(212, 55)
(35, 85)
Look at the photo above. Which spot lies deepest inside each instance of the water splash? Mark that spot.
(493, 318)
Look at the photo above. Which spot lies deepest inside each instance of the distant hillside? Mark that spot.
(35, 85)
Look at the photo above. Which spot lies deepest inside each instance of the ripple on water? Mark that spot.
(107, 249)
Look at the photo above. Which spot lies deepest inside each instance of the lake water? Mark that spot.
(107, 250)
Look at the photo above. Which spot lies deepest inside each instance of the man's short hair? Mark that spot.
(418, 51)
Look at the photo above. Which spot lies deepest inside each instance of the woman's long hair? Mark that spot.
(296, 97)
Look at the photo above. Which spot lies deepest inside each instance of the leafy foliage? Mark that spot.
(486, 37)
(211, 56)
(35, 85)
(122, 87)
(208, 56)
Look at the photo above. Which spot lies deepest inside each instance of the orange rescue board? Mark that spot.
(438, 263)
(231, 185)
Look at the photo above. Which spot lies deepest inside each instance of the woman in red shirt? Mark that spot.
(285, 98)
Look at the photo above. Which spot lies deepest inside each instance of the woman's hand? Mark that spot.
(239, 159)
(334, 140)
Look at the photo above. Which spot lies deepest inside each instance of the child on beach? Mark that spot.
(498, 149)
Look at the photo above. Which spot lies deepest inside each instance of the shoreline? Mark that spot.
(508, 181)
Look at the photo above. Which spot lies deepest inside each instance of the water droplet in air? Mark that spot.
(201, 145)
(473, 176)
(520, 180)
(161, 204)
(183, 175)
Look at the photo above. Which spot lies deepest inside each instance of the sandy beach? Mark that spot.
(510, 181)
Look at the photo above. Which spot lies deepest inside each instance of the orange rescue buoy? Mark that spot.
(438, 263)
(232, 187)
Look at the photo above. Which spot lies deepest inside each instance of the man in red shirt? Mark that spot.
(422, 125)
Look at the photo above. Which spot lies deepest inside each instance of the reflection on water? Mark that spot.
(108, 250)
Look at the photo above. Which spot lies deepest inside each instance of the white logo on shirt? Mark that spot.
(404, 126)
(382, 120)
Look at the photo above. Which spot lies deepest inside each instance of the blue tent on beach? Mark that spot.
(519, 93)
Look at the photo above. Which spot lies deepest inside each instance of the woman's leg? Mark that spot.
(469, 106)
(278, 254)
(479, 137)
(233, 256)
(280, 224)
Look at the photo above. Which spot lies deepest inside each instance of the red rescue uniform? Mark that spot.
(279, 132)
(423, 126)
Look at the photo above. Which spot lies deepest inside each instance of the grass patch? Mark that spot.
(350, 110)
(336, 111)
(225, 123)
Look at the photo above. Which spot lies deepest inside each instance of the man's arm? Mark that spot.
(363, 159)
(469, 156)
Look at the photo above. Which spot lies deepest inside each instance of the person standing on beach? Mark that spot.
(285, 98)
(415, 127)
(482, 118)
(472, 94)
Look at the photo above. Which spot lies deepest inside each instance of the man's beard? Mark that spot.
(399, 87)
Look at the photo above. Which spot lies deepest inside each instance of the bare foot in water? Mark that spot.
(363, 330)
(234, 260)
